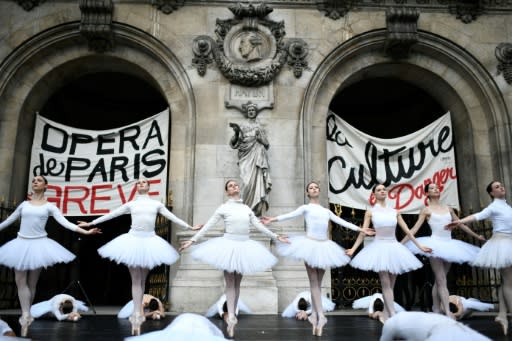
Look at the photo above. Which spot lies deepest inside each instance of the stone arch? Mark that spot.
(30, 74)
(449, 74)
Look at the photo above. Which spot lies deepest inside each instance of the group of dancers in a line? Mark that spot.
(236, 254)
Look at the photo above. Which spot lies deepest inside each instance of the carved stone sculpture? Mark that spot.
(250, 139)
(503, 53)
(402, 31)
(96, 24)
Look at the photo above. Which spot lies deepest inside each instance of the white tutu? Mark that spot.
(139, 249)
(234, 254)
(29, 254)
(496, 253)
(185, 327)
(320, 254)
(386, 255)
(450, 250)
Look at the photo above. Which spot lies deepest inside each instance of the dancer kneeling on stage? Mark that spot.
(152, 307)
(221, 308)
(301, 306)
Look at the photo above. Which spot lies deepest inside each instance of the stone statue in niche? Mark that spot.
(250, 139)
(250, 46)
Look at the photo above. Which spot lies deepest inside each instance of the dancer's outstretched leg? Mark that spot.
(317, 318)
(232, 279)
(387, 282)
(138, 276)
(505, 297)
(440, 269)
(25, 282)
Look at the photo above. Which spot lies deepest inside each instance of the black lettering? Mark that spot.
(148, 162)
(74, 163)
(155, 134)
(54, 149)
(118, 163)
(99, 168)
(125, 137)
(78, 138)
(102, 139)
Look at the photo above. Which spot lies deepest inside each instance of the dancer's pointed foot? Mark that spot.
(322, 320)
(503, 321)
(232, 321)
(136, 320)
(313, 320)
(25, 321)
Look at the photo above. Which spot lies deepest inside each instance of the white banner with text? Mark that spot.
(358, 161)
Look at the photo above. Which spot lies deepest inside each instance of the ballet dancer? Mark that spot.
(385, 255)
(32, 250)
(234, 253)
(140, 249)
(62, 307)
(446, 249)
(315, 248)
(495, 253)
(420, 326)
(462, 307)
(220, 308)
(301, 306)
(374, 305)
(152, 307)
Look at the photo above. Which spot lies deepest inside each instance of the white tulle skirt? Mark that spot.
(386, 255)
(450, 250)
(29, 254)
(185, 327)
(139, 249)
(234, 253)
(321, 254)
(496, 253)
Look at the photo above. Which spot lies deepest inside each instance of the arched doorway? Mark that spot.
(441, 75)
(96, 101)
(141, 72)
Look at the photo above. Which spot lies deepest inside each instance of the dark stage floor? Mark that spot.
(250, 327)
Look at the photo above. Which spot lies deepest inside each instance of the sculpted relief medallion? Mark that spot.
(250, 49)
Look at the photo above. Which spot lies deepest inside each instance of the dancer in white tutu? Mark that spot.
(301, 306)
(152, 307)
(420, 326)
(446, 249)
(185, 327)
(385, 255)
(220, 308)
(462, 307)
(496, 253)
(374, 305)
(32, 250)
(141, 249)
(315, 248)
(234, 253)
(5, 330)
(62, 307)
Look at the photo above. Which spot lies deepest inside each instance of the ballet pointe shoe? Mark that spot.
(503, 322)
(25, 321)
(232, 321)
(322, 320)
(312, 319)
(136, 320)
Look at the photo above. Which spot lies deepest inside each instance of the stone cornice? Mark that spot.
(488, 6)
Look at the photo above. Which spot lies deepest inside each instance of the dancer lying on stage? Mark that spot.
(221, 308)
(375, 306)
(62, 307)
(152, 307)
(5, 330)
(462, 307)
(301, 306)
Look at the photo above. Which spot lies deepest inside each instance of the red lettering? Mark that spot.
(154, 181)
(95, 198)
(78, 200)
(123, 197)
(56, 198)
(397, 192)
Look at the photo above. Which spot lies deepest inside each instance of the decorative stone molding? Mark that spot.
(466, 10)
(503, 53)
(250, 49)
(334, 9)
(167, 6)
(28, 5)
(402, 31)
(96, 24)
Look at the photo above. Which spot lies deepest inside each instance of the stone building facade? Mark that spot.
(459, 52)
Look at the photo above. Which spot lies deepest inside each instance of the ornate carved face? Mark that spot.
(251, 111)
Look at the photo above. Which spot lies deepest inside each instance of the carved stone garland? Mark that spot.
(334, 9)
(28, 5)
(503, 53)
(96, 24)
(250, 49)
(168, 6)
(466, 10)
